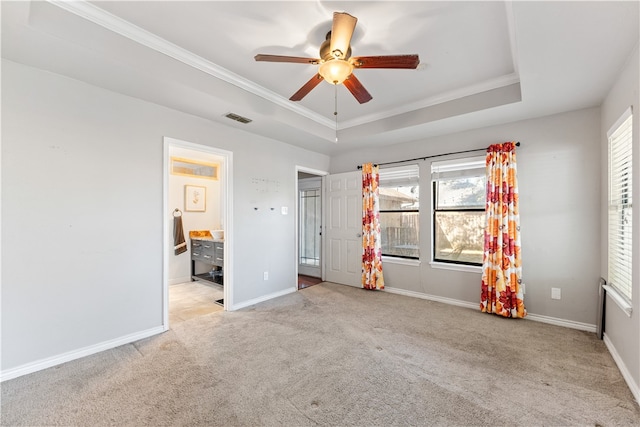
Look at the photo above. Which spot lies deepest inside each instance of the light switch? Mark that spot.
(284, 210)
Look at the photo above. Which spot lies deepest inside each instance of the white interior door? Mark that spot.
(344, 228)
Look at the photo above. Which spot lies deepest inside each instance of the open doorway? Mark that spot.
(309, 227)
(197, 193)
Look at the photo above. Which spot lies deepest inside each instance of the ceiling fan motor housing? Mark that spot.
(325, 48)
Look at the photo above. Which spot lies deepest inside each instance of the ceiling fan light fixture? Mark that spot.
(335, 71)
(336, 64)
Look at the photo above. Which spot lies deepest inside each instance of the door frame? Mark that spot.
(322, 174)
(311, 183)
(226, 219)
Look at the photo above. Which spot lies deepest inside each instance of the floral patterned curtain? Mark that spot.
(502, 265)
(371, 245)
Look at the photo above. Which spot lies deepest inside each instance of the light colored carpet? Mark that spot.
(336, 356)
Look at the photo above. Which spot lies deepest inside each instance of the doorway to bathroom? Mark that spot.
(197, 202)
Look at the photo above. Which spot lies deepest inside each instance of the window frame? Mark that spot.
(451, 167)
(622, 294)
(408, 171)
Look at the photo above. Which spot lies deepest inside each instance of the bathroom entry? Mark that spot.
(309, 225)
(197, 187)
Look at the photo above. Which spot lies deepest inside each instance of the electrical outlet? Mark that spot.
(266, 275)
(556, 293)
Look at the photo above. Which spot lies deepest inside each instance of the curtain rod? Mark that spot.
(435, 155)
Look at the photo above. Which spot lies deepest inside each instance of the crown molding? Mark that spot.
(113, 23)
(132, 32)
(474, 89)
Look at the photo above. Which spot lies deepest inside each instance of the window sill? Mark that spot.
(456, 267)
(401, 261)
(618, 299)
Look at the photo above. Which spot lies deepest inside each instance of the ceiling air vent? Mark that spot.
(238, 118)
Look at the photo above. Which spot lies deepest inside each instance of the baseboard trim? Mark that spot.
(535, 317)
(635, 388)
(435, 298)
(39, 365)
(562, 322)
(263, 298)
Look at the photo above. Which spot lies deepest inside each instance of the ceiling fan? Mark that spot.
(336, 64)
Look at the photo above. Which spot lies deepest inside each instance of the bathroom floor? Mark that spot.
(192, 299)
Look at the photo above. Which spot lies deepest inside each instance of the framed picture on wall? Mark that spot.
(195, 198)
(194, 168)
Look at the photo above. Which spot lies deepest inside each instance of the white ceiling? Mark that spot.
(482, 63)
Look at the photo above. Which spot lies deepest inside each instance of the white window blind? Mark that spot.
(620, 205)
(407, 175)
(460, 168)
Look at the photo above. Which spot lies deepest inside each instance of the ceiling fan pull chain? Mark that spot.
(335, 112)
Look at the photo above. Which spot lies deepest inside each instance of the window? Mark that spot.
(310, 226)
(620, 205)
(400, 211)
(459, 210)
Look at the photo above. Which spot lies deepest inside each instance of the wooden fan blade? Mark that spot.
(388, 61)
(341, 32)
(357, 90)
(304, 90)
(282, 58)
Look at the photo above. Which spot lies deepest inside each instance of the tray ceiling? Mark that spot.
(482, 63)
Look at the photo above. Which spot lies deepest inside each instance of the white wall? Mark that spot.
(82, 220)
(210, 219)
(623, 332)
(558, 174)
